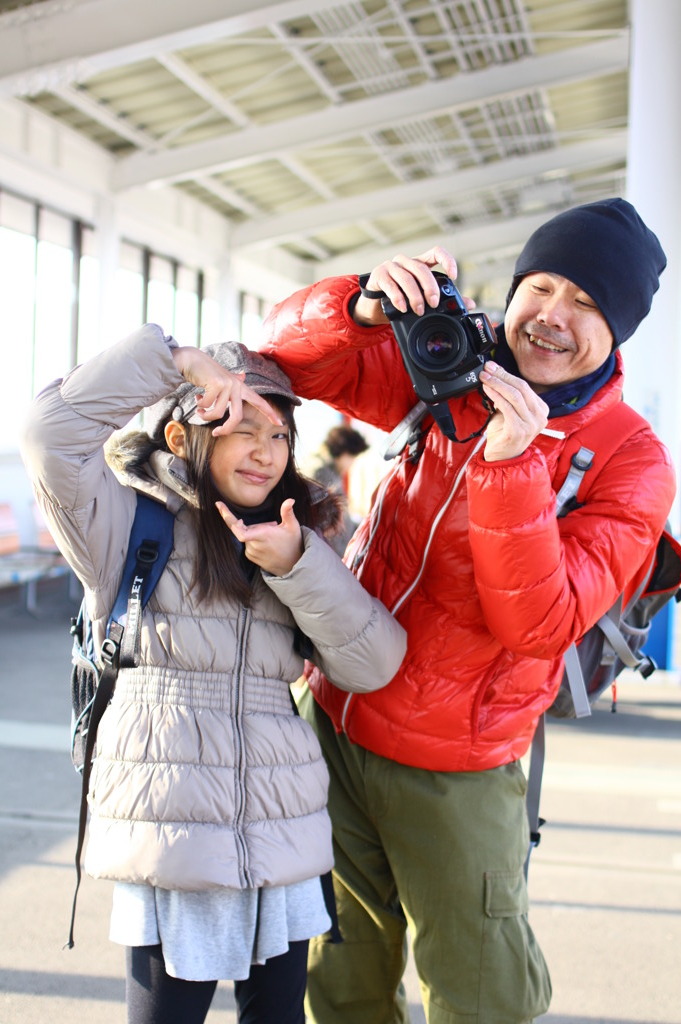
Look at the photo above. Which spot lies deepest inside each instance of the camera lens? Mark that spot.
(437, 345)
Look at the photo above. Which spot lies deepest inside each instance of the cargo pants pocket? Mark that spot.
(514, 980)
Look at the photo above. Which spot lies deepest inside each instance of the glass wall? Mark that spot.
(18, 255)
(50, 299)
(252, 316)
(56, 272)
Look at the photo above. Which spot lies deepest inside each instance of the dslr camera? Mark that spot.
(443, 349)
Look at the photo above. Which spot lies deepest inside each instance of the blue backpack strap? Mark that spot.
(155, 523)
(149, 547)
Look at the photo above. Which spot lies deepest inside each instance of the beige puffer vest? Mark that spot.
(204, 774)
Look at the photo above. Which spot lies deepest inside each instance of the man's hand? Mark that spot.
(275, 547)
(520, 413)
(407, 282)
(222, 390)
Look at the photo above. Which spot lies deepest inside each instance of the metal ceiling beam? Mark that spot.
(198, 84)
(56, 43)
(475, 241)
(102, 115)
(605, 149)
(333, 124)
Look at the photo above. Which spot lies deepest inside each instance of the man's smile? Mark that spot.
(542, 343)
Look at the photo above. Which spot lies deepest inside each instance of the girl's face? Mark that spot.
(247, 464)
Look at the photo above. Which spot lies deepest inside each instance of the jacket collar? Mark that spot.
(601, 402)
(164, 478)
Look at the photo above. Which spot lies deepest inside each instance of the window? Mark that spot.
(251, 319)
(88, 298)
(161, 293)
(129, 291)
(51, 282)
(17, 299)
(37, 260)
(187, 305)
(53, 346)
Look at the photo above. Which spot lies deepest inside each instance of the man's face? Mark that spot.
(555, 330)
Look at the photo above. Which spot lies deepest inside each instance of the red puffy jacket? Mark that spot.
(469, 555)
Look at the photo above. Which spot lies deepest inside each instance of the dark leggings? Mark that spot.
(272, 994)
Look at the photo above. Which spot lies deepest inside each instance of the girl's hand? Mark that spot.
(222, 390)
(407, 282)
(275, 547)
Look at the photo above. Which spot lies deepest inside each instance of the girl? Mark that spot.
(208, 793)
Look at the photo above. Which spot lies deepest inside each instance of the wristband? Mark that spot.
(367, 292)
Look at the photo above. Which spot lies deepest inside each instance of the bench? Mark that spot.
(25, 566)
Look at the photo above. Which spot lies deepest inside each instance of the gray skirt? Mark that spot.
(218, 933)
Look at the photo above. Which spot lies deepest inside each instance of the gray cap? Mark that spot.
(262, 375)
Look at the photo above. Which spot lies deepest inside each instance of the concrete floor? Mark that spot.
(605, 883)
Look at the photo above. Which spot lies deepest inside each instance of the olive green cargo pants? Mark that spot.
(441, 853)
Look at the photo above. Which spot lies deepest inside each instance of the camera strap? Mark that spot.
(406, 433)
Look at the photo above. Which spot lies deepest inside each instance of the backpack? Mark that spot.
(616, 641)
(92, 683)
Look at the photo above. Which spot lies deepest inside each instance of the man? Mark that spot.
(463, 545)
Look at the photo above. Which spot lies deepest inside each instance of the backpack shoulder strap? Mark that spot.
(153, 522)
(579, 463)
(149, 547)
(623, 422)
(595, 448)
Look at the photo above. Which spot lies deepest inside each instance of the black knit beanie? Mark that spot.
(607, 251)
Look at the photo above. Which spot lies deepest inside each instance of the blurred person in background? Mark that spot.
(330, 466)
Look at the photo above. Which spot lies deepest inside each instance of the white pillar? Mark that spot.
(653, 356)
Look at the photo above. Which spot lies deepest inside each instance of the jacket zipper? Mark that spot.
(239, 753)
(410, 589)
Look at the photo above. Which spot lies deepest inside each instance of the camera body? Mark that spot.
(443, 349)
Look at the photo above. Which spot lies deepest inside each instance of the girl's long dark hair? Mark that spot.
(220, 569)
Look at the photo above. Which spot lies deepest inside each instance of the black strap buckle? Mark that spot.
(109, 651)
(147, 552)
(535, 837)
